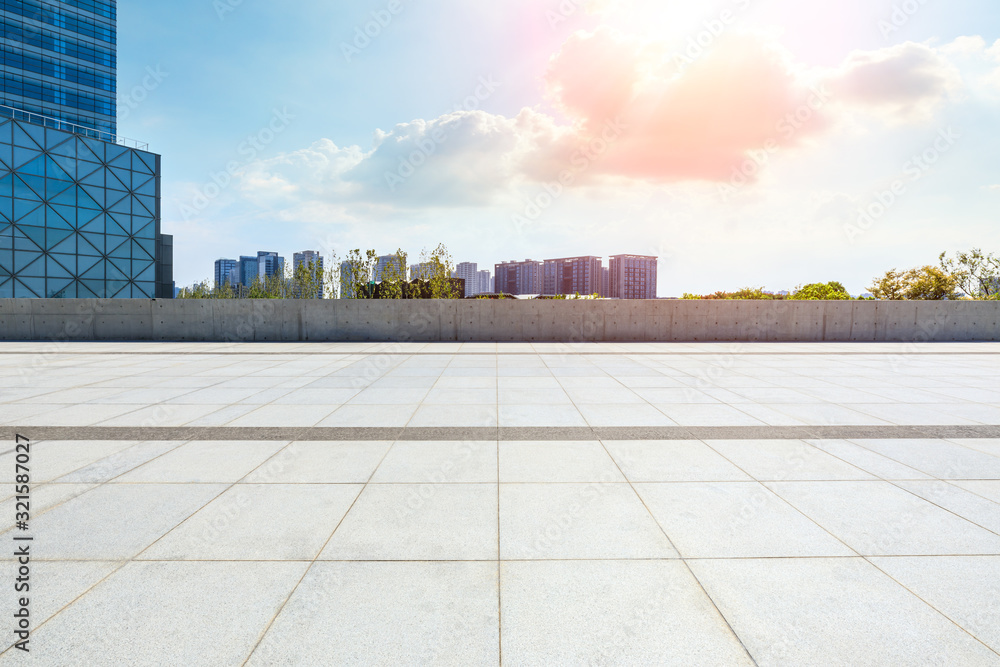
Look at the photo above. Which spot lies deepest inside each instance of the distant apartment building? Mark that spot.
(271, 264)
(249, 270)
(314, 261)
(422, 271)
(519, 277)
(572, 275)
(227, 271)
(264, 265)
(632, 277)
(385, 263)
(605, 282)
(469, 272)
(484, 282)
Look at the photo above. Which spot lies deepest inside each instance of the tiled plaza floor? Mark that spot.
(519, 504)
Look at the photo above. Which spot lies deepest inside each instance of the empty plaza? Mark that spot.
(506, 503)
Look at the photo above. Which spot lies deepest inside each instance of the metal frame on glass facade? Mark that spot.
(79, 218)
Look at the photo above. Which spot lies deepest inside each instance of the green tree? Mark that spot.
(832, 291)
(976, 273)
(360, 270)
(438, 268)
(745, 294)
(930, 283)
(890, 287)
(394, 284)
(307, 281)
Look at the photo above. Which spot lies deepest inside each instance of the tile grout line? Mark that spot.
(496, 360)
(319, 553)
(868, 558)
(681, 557)
(124, 562)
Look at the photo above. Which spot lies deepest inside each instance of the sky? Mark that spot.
(746, 143)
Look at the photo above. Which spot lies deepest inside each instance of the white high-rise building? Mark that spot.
(387, 262)
(468, 271)
(484, 285)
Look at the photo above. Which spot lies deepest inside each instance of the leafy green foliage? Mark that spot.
(745, 294)
(832, 291)
(976, 273)
(929, 283)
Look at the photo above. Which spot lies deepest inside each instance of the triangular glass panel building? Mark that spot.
(79, 206)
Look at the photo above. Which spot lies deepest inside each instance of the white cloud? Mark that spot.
(906, 82)
(693, 126)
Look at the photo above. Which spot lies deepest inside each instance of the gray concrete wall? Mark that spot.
(499, 320)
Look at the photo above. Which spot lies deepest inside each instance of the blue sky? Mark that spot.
(558, 71)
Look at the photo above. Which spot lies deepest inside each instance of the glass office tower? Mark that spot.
(79, 209)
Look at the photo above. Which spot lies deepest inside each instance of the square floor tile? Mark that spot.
(54, 584)
(117, 521)
(530, 396)
(989, 489)
(223, 415)
(555, 521)
(735, 520)
(842, 611)
(43, 498)
(204, 462)
(51, 460)
(707, 415)
(623, 415)
(454, 395)
(879, 519)
(321, 463)
(557, 462)
(672, 461)
(867, 460)
(438, 463)
(119, 463)
(827, 414)
(389, 614)
(220, 609)
(419, 522)
(388, 396)
(939, 458)
(966, 504)
(79, 415)
(370, 415)
(985, 445)
(484, 416)
(611, 613)
(778, 460)
(284, 415)
(330, 396)
(164, 414)
(540, 415)
(259, 522)
(966, 589)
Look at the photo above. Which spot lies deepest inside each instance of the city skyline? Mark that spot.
(863, 132)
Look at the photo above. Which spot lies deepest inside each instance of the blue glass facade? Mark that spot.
(79, 218)
(58, 59)
(79, 213)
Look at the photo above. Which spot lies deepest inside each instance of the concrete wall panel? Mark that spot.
(503, 320)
